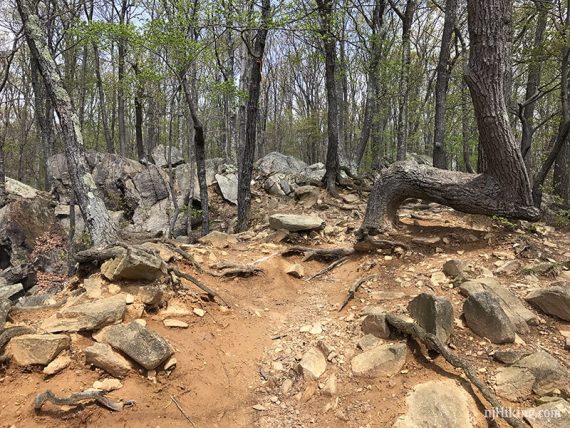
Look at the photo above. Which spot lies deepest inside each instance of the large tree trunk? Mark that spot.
(97, 219)
(505, 188)
(247, 154)
(332, 167)
(441, 84)
(139, 95)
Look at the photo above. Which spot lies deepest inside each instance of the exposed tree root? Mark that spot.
(432, 342)
(235, 269)
(98, 396)
(354, 288)
(330, 267)
(198, 284)
(323, 254)
(368, 243)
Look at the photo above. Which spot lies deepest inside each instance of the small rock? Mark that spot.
(313, 364)
(553, 300)
(132, 266)
(108, 385)
(40, 349)
(102, 356)
(199, 311)
(375, 322)
(174, 323)
(383, 360)
(295, 270)
(438, 278)
(330, 387)
(295, 222)
(508, 268)
(259, 408)
(316, 329)
(286, 386)
(509, 357)
(485, 316)
(57, 365)
(454, 268)
(151, 295)
(129, 299)
(170, 364)
(218, 239)
(369, 341)
(426, 240)
(434, 314)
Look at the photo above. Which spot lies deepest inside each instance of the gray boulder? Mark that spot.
(160, 156)
(295, 222)
(275, 162)
(133, 265)
(434, 314)
(145, 347)
(228, 185)
(553, 300)
(485, 316)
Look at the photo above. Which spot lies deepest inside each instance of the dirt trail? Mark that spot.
(232, 364)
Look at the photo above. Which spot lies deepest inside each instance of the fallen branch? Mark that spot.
(354, 288)
(330, 267)
(188, 418)
(434, 343)
(98, 396)
(198, 284)
(325, 254)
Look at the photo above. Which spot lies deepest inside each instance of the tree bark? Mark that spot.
(533, 81)
(139, 95)
(441, 85)
(247, 154)
(332, 166)
(505, 188)
(96, 217)
(121, 83)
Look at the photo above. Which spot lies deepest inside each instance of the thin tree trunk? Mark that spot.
(121, 83)
(102, 105)
(96, 216)
(247, 155)
(139, 95)
(465, 128)
(441, 85)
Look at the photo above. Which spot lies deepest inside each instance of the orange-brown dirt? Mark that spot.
(232, 360)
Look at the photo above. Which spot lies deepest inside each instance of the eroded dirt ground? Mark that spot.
(232, 363)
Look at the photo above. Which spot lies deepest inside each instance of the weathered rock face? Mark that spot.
(436, 404)
(132, 266)
(517, 313)
(275, 162)
(102, 356)
(144, 346)
(485, 316)
(539, 373)
(375, 322)
(87, 316)
(434, 314)
(5, 306)
(383, 360)
(40, 349)
(161, 153)
(553, 300)
(295, 222)
(228, 185)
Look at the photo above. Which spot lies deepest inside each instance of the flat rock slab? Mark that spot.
(218, 239)
(313, 364)
(553, 300)
(134, 266)
(555, 414)
(228, 185)
(485, 316)
(295, 222)
(87, 316)
(434, 314)
(8, 291)
(436, 404)
(104, 357)
(144, 346)
(30, 349)
(383, 360)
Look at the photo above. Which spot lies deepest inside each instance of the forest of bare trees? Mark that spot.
(354, 84)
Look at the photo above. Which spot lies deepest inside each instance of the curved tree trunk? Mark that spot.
(96, 216)
(505, 188)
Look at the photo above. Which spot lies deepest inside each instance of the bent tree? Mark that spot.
(95, 214)
(504, 189)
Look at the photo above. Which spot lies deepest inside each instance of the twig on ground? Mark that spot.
(354, 288)
(330, 267)
(188, 418)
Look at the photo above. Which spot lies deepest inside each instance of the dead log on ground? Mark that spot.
(323, 254)
(330, 267)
